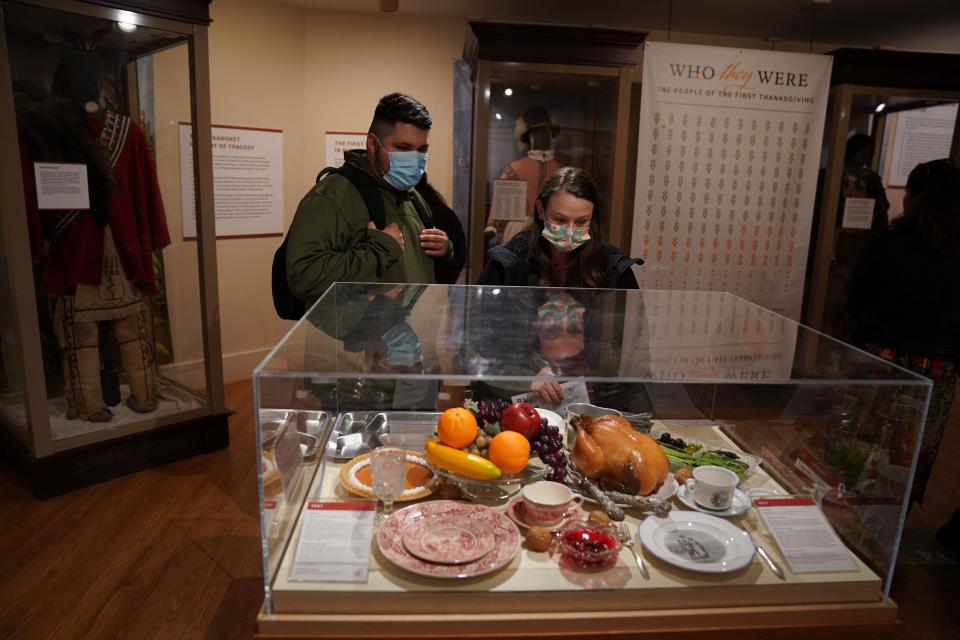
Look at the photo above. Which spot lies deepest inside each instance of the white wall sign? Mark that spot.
(509, 200)
(340, 141)
(61, 185)
(858, 213)
(922, 135)
(247, 181)
(727, 170)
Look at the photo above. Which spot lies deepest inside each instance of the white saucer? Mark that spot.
(697, 542)
(741, 503)
(516, 512)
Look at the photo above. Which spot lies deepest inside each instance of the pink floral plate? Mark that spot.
(517, 513)
(448, 539)
(506, 538)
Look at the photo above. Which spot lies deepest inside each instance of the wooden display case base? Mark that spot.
(63, 472)
(860, 621)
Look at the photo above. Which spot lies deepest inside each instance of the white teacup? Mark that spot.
(712, 487)
(546, 502)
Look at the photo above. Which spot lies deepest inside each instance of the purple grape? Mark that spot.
(557, 476)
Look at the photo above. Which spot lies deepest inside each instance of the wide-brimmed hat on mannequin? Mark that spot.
(535, 118)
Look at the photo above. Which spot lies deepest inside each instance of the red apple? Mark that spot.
(522, 418)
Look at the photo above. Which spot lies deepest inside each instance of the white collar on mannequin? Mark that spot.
(543, 155)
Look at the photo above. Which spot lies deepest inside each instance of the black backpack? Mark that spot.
(289, 306)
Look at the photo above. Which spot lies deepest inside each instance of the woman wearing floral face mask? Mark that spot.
(564, 244)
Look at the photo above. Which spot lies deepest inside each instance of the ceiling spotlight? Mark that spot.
(498, 116)
(880, 107)
(508, 91)
(126, 21)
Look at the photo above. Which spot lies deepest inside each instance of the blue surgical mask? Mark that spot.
(403, 346)
(406, 169)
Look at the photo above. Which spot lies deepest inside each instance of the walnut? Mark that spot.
(538, 539)
(683, 474)
(598, 518)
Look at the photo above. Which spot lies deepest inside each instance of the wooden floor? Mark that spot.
(174, 552)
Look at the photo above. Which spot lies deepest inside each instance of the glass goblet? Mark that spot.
(388, 467)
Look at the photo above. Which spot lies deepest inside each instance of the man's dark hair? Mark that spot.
(399, 107)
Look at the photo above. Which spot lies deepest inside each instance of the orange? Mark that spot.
(510, 451)
(457, 428)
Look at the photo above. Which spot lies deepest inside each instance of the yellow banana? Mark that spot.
(469, 465)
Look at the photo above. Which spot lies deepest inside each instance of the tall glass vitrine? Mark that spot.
(110, 344)
(545, 98)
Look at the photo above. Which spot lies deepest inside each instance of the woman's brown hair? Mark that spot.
(588, 265)
(933, 208)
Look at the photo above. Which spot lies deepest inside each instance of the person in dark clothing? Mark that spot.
(904, 295)
(445, 219)
(859, 181)
(563, 246)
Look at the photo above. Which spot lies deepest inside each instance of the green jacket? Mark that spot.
(329, 241)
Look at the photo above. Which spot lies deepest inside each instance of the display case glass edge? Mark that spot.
(621, 223)
(206, 229)
(17, 256)
(478, 166)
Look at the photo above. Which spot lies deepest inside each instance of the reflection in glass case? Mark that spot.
(105, 333)
(379, 365)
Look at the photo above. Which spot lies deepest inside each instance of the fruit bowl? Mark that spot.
(492, 490)
(588, 546)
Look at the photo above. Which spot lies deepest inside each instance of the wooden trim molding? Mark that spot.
(193, 11)
(538, 43)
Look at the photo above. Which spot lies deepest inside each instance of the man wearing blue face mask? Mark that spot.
(333, 237)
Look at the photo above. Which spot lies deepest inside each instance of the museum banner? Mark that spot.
(727, 170)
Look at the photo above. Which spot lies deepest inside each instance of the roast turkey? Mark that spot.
(607, 447)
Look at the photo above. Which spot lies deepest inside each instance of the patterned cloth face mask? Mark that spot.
(563, 237)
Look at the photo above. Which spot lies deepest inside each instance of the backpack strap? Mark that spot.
(369, 191)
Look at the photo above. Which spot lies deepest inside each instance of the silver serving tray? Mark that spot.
(359, 432)
(312, 426)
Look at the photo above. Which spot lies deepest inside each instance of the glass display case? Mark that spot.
(371, 366)
(108, 326)
(541, 104)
